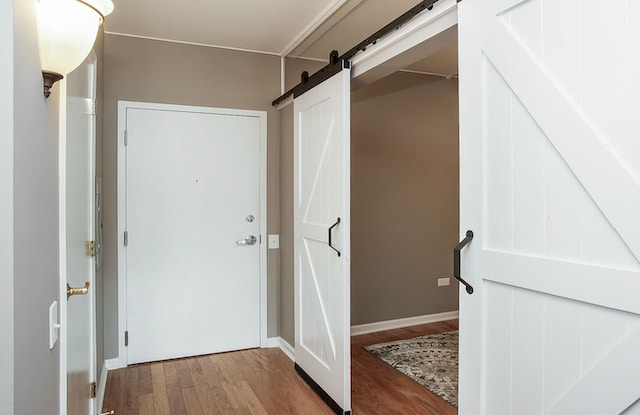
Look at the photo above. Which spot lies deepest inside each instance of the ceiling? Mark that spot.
(256, 25)
(300, 28)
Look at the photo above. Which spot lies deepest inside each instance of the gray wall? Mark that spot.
(404, 197)
(154, 71)
(294, 68)
(286, 225)
(35, 223)
(6, 207)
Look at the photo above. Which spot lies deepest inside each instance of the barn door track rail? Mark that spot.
(337, 63)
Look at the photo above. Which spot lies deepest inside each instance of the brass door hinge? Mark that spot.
(93, 390)
(91, 249)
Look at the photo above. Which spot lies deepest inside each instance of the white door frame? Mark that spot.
(121, 360)
(62, 233)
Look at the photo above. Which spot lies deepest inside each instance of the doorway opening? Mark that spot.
(379, 63)
(404, 208)
(404, 193)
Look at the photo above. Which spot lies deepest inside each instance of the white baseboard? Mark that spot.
(102, 386)
(272, 342)
(287, 349)
(402, 322)
(115, 363)
(283, 345)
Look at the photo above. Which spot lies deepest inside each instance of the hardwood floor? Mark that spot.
(263, 381)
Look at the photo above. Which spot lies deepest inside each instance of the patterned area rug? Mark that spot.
(431, 361)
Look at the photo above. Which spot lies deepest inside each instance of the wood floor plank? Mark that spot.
(192, 402)
(233, 394)
(205, 397)
(145, 382)
(216, 390)
(184, 373)
(146, 405)
(174, 391)
(115, 399)
(263, 381)
(131, 390)
(159, 387)
(260, 376)
(252, 401)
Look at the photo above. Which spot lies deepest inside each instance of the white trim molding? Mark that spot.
(113, 364)
(287, 349)
(312, 32)
(183, 42)
(271, 343)
(402, 322)
(282, 344)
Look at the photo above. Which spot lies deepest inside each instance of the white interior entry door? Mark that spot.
(321, 239)
(192, 241)
(79, 233)
(550, 173)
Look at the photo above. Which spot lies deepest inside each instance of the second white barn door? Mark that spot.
(550, 168)
(192, 232)
(321, 239)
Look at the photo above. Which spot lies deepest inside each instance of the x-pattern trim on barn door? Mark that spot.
(597, 167)
(552, 193)
(620, 365)
(321, 194)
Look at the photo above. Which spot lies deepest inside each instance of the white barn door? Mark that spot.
(321, 239)
(550, 173)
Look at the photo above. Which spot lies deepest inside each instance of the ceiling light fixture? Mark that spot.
(67, 30)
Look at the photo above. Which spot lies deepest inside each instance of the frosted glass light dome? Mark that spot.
(67, 30)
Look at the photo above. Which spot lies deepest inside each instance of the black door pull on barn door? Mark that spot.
(456, 260)
(330, 237)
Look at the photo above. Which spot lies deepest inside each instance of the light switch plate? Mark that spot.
(54, 327)
(443, 282)
(274, 241)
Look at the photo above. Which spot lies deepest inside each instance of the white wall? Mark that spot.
(35, 222)
(6, 207)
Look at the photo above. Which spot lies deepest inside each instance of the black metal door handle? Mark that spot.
(330, 238)
(456, 261)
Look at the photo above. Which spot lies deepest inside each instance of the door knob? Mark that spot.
(249, 240)
(77, 291)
